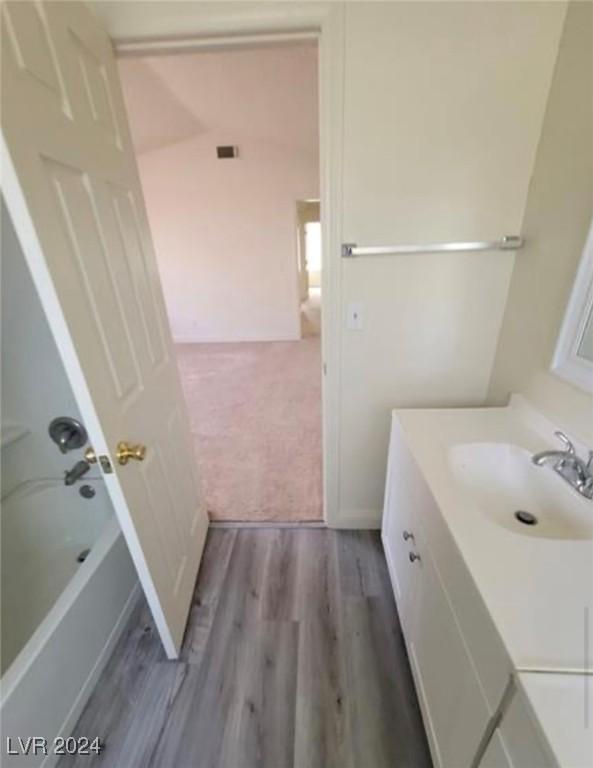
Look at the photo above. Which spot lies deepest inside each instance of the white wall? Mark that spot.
(557, 219)
(443, 110)
(443, 104)
(34, 385)
(225, 230)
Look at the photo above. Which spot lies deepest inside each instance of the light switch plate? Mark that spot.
(354, 321)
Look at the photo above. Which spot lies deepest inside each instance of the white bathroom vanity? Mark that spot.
(496, 613)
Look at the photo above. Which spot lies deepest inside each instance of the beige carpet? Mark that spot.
(255, 413)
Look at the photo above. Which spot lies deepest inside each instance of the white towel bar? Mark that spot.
(506, 243)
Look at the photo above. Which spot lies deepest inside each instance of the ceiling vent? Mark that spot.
(227, 151)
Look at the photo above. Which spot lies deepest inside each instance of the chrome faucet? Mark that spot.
(78, 470)
(577, 472)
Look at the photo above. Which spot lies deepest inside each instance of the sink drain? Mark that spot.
(526, 517)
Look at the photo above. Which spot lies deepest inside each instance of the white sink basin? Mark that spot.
(501, 480)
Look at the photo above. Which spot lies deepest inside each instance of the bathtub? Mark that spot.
(60, 617)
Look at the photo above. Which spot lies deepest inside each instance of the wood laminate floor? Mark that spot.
(293, 657)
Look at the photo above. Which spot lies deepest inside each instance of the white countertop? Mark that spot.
(563, 707)
(538, 591)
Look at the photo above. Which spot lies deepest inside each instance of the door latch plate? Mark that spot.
(106, 465)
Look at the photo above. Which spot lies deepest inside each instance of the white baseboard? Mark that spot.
(360, 519)
(367, 520)
(271, 524)
(197, 339)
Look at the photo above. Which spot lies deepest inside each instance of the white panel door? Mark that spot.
(72, 188)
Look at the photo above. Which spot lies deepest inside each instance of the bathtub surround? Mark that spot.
(557, 219)
(255, 412)
(46, 689)
(45, 527)
(29, 400)
(60, 618)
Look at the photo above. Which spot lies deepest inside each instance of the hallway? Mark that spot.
(293, 656)
(255, 411)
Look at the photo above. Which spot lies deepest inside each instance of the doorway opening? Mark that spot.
(309, 266)
(227, 145)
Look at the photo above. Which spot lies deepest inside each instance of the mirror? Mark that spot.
(573, 359)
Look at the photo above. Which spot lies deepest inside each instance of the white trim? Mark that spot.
(360, 519)
(254, 524)
(331, 112)
(170, 21)
(198, 339)
(326, 24)
(171, 45)
(567, 363)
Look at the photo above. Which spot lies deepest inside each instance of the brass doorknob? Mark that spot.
(125, 452)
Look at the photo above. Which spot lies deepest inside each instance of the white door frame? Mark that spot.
(327, 27)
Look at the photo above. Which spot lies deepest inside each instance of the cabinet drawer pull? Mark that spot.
(414, 556)
(407, 535)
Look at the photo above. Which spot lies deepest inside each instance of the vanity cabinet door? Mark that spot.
(398, 534)
(521, 737)
(516, 743)
(454, 708)
(495, 755)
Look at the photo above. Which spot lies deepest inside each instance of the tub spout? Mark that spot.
(77, 471)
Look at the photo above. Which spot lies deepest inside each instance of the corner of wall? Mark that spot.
(556, 220)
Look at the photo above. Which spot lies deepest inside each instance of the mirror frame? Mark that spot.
(566, 362)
